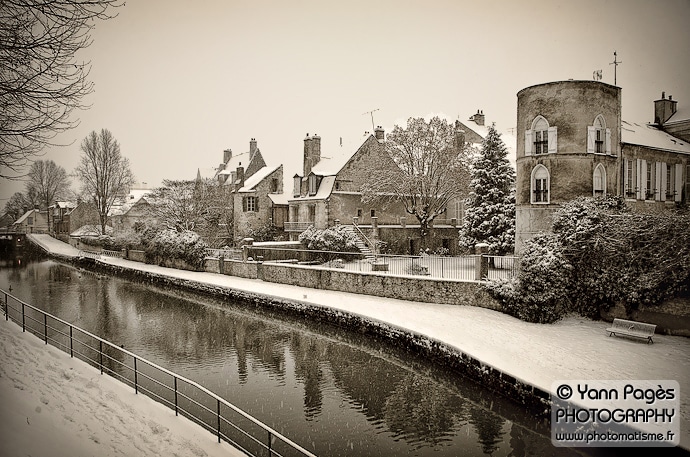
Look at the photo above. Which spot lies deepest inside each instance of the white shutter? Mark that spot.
(591, 137)
(638, 179)
(625, 178)
(528, 142)
(642, 179)
(608, 141)
(678, 188)
(553, 140)
(664, 182)
(659, 188)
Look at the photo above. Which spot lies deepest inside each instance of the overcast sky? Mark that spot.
(177, 82)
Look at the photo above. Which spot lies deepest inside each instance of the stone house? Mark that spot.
(256, 192)
(58, 218)
(571, 142)
(329, 192)
(32, 221)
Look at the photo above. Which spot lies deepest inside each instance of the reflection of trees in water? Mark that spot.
(308, 353)
(422, 413)
(489, 428)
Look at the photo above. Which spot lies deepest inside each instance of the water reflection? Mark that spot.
(332, 391)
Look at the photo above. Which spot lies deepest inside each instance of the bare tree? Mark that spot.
(200, 205)
(48, 180)
(41, 80)
(432, 170)
(103, 171)
(17, 205)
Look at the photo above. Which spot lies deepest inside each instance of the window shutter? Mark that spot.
(626, 177)
(638, 191)
(591, 136)
(553, 139)
(529, 142)
(608, 141)
(244, 204)
(679, 182)
(643, 179)
(256, 204)
(662, 167)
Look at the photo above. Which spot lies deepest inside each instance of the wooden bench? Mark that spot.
(632, 328)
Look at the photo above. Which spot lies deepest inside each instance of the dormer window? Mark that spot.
(312, 184)
(541, 138)
(598, 137)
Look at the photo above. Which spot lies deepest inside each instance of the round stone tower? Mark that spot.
(568, 145)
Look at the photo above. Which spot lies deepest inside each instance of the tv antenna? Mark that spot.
(615, 66)
(372, 118)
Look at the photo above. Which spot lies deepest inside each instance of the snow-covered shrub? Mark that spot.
(335, 239)
(540, 291)
(171, 244)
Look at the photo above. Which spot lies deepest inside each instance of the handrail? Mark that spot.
(367, 241)
(219, 400)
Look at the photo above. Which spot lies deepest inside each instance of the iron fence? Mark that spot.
(187, 398)
(461, 268)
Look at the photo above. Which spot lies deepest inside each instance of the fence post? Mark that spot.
(175, 379)
(71, 347)
(45, 327)
(100, 354)
(136, 381)
(23, 320)
(218, 402)
(7, 314)
(270, 451)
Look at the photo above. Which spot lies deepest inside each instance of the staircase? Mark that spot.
(361, 244)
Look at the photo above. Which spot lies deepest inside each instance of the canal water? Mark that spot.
(333, 391)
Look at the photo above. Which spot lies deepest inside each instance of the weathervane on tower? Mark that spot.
(615, 66)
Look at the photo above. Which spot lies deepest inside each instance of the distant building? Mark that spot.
(256, 194)
(32, 221)
(571, 142)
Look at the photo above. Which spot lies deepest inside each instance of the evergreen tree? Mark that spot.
(490, 213)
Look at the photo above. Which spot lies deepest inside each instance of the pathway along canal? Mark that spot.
(334, 392)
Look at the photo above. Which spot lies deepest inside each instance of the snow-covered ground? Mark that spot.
(52, 405)
(573, 348)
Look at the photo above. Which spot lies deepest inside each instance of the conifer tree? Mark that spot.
(490, 210)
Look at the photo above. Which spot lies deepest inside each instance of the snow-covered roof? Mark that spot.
(25, 216)
(682, 114)
(251, 182)
(279, 199)
(508, 138)
(206, 172)
(324, 191)
(650, 136)
(335, 160)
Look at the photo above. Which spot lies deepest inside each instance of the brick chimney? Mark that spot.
(239, 177)
(664, 109)
(312, 153)
(380, 133)
(227, 155)
(478, 118)
(252, 148)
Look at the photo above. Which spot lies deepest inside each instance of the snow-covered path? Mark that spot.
(573, 348)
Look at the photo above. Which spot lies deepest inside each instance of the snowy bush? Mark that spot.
(170, 244)
(539, 293)
(335, 239)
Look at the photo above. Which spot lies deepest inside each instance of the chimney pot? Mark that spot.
(670, 97)
(663, 95)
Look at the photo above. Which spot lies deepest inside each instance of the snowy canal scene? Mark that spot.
(335, 229)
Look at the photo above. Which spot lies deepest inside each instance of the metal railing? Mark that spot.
(185, 397)
(108, 253)
(297, 226)
(225, 253)
(461, 268)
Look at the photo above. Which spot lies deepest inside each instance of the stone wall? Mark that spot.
(382, 285)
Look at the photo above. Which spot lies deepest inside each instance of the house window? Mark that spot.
(30, 221)
(312, 184)
(630, 187)
(312, 213)
(540, 184)
(373, 213)
(274, 185)
(359, 212)
(541, 138)
(250, 204)
(599, 180)
(598, 137)
(337, 185)
(649, 181)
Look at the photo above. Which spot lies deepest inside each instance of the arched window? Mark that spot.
(541, 138)
(598, 137)
(599, 181)
(541, 183)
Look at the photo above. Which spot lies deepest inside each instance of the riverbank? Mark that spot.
(532, 354)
